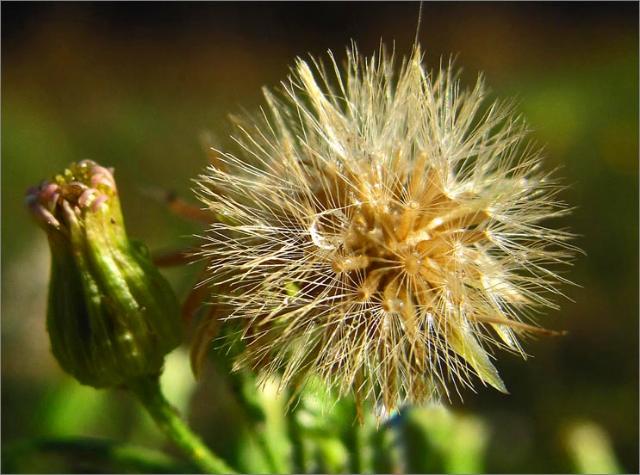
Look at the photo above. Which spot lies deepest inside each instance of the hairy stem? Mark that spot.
(166, 417)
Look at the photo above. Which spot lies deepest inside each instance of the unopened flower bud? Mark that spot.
(111, 316)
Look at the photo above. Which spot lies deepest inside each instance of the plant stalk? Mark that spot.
(149, 393)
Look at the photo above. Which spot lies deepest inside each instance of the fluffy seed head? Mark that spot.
(380, 228)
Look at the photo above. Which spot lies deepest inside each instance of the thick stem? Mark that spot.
(166, 417)
(355, 444)
(268, 450)
(299, 454)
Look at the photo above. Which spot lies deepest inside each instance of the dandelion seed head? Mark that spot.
(381, 228)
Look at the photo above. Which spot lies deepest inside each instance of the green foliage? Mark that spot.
(86, 455)
(590, 449)
(439, 441)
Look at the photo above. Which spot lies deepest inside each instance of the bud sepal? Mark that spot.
(111, 316)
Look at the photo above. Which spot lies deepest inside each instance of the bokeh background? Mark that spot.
(142, 86)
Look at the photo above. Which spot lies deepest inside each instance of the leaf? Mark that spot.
(465, 344)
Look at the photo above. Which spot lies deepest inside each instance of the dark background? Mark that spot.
(136, 86)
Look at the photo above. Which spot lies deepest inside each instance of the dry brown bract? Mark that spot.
(379, 230)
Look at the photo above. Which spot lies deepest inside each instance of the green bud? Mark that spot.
(111, 316)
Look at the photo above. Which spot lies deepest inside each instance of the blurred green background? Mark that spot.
(138, 86)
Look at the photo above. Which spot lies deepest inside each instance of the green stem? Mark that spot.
(266, 445)
(85, 454)
(244, 389)
(299, 454)
(385, 459)
(166, 417)
(355, 444)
